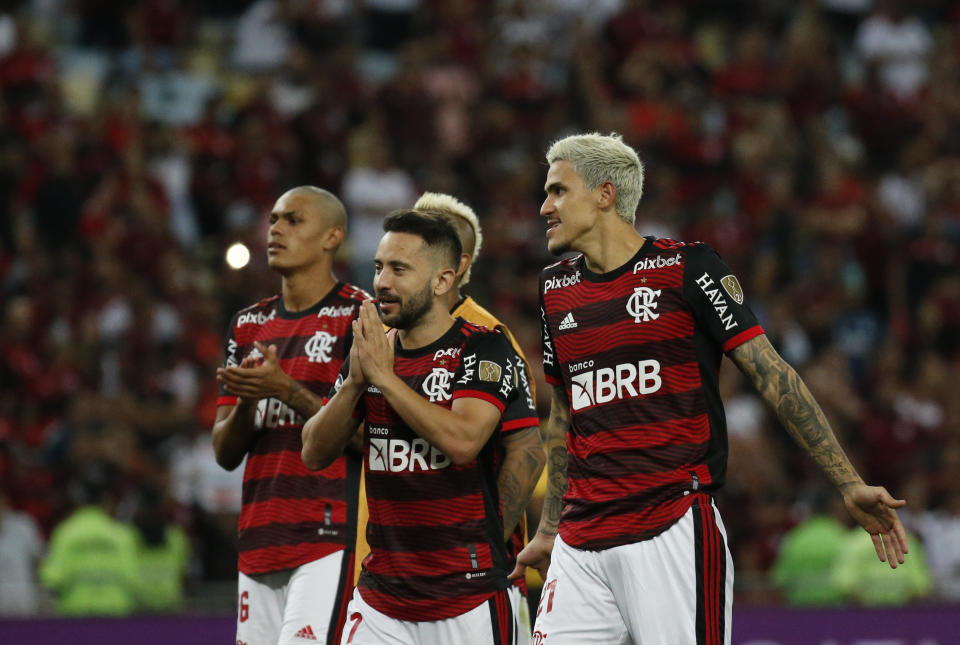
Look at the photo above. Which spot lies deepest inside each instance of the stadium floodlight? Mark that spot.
(238, 255)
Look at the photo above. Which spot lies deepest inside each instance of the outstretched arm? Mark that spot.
(784, 391)
(537, 553)
(522, 464)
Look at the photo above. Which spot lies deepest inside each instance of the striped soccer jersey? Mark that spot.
(435, 531)
(291, 515)
(638, 350)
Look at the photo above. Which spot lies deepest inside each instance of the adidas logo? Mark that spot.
(568, 322)
(306, 633)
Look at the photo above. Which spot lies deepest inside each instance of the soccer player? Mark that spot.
(283, 354)
(634, 329)
(432, 394)
(524, 457)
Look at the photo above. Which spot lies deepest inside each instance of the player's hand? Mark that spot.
(874, 509)
(355, 375)
(536, 554)
(374, 345)
(256, 377)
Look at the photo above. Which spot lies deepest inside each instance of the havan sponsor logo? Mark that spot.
(715, 296)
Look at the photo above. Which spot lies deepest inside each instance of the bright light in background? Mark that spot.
(238, 255)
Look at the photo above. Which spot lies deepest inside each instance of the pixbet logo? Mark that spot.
(255, 317)
(398, 455)
(336, 312)
(609, 383)
(659, 262)
(561, 281)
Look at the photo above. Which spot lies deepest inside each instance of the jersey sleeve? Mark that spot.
(486, 370)
(521, 411)
(551, 371)
(714, 294)
(231, 358)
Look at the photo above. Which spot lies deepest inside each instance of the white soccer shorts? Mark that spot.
(489, 623)
(306, 604)
(521, 614)
(673, 589)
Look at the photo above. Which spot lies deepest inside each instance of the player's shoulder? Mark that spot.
(669, 244)
(471, 311)
(259, 312)
(349, 291)
(564, 266)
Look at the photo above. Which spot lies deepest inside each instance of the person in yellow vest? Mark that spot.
(92, 561)
(163, 553)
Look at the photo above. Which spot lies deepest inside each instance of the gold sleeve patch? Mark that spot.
(732, 286)
(489, 371)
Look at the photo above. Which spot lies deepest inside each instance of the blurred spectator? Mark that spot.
(856, 574)
(898, 45)
(92, 562)
(21, 546)
(163, 553)
(808, 554)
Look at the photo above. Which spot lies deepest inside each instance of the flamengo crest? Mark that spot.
(642, 303)
(437, 385)
(319, 347)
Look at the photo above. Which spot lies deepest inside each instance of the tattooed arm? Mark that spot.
(522, 464)
(537, 553)
(784, 391)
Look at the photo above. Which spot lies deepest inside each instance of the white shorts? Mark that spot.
(521, 615)
(673, 589)
(482, 625)
(296, 606)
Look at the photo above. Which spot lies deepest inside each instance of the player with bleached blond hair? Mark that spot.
(630, 543)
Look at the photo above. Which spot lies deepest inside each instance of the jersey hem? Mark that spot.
(741, 338)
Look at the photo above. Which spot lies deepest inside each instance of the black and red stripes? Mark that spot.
(710, 554)
(501, 619)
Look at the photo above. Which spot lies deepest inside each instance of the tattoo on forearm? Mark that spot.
(518, 478)
(305, 402)
(783, 389)
(555, 441)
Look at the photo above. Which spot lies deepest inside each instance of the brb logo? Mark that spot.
(609, 383)
(319, 347)
(437, 385)
(642, 303)
(398, 455)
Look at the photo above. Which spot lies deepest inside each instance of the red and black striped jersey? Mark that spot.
(638, 350)
(291, 515)
(435, 530)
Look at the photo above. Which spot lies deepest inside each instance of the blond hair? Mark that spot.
(598, 158)
(451, 206)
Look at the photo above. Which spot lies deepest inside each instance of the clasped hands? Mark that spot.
(371, 355)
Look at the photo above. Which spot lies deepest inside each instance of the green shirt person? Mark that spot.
(805, 561)
(92, 565)
(162, 567)
(874, 586)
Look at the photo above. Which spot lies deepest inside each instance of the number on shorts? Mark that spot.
(244, 607)
(357, 616)
(547, 596)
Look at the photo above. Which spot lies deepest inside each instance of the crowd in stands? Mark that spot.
(815, 144)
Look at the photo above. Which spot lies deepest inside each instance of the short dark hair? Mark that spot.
(437, 232)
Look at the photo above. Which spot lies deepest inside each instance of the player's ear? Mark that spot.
(444, 281)
(333, 238)
(465, 260)
(606, 195)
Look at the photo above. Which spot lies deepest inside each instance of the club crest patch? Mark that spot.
(489, 371)
(732, 286)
